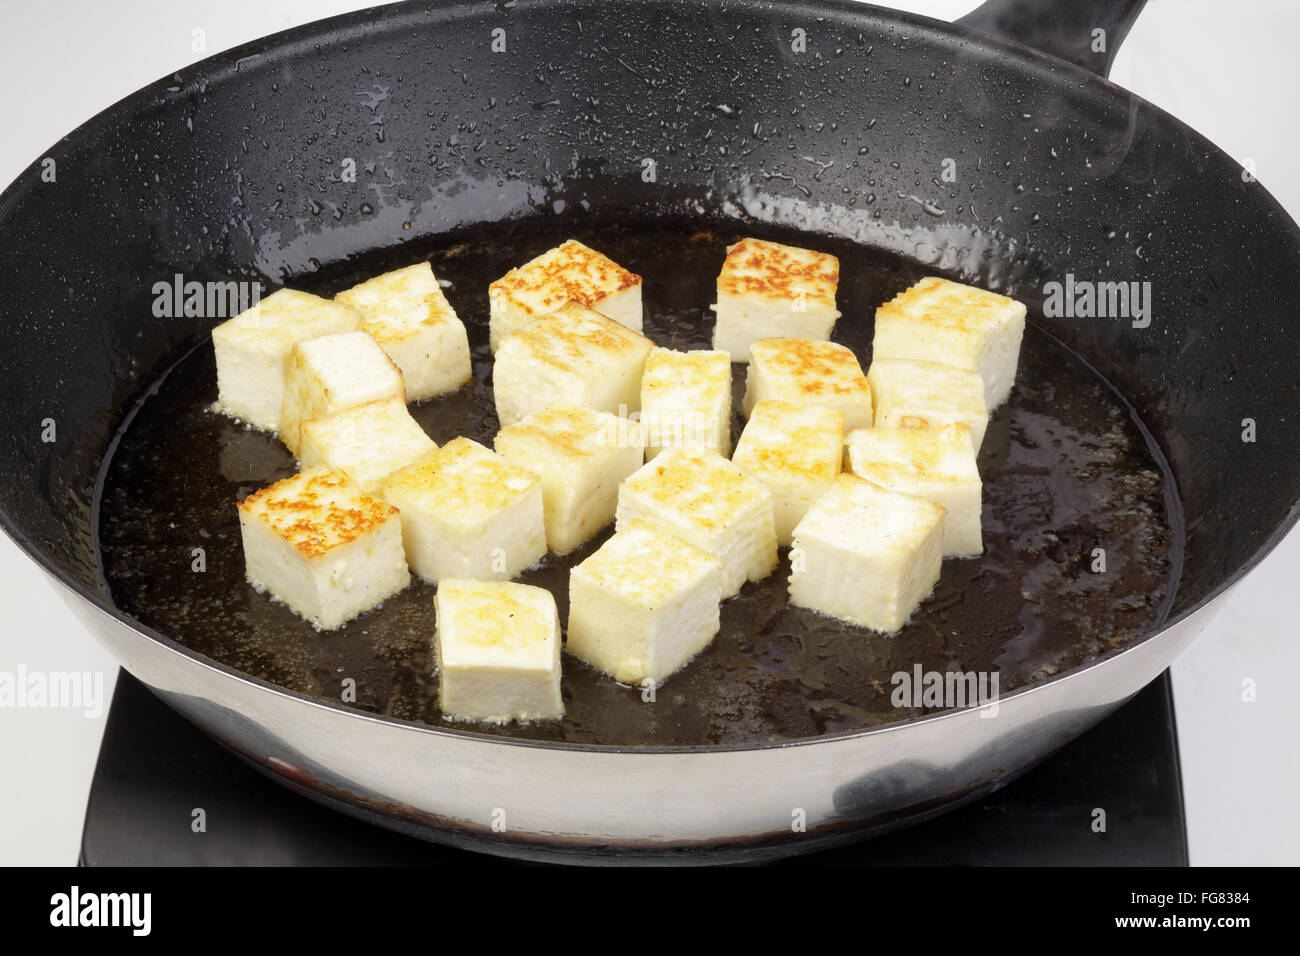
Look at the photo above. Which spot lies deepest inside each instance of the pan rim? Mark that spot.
(286, 44)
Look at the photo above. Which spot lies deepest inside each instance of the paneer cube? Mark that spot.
(406, 312)
(574, 355)
(806, 372)
(686, 401)
(643, 605)
(795, 451)
(953, 324)
(498, 652)
(866, 554)
(366, 442)
(767, 290)
(916, 394)
(322, 546)
(331, 373)
(936, 463)
(253, 347)
(571, 272)
(707, 501)
(580, 456)
(468, 513)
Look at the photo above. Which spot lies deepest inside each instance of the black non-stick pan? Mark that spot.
(1147, 458)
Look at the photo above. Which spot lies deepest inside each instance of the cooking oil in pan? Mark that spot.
(1080, 530)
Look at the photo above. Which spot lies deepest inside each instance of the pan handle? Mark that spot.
(1084, 32)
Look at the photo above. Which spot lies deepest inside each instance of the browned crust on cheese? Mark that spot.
(821, 367)
(299, 510)
(691, 483)
(772, 270)
(574, 331)
(946, 304)
(571, 272)
(567, 430)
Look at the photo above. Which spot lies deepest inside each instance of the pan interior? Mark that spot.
(1066, 470)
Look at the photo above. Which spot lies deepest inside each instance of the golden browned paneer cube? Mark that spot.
(252, 348)
(575, 355)
(946, 322)
(806, 372)
(331, 373)
(866, 554)
(769, 290)
(795, 451)
(322, 546)
(700, 497)
(571, 272)
(406, 312)
(580, 456)
(498, 651)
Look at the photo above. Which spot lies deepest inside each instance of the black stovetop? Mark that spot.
(155, 769)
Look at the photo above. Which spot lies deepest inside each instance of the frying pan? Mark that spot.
(826, 120)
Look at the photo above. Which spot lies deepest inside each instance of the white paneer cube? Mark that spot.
(406, 312)
(953, 324)
(866, 554)
(252, 349)
(795, 451)
(326, 375)
(916, 394)
(575, 355)
(767, 290)
(468, 513)
(498, 652)
(366, 442)
(707, 501)
(643, 605)
(807, 372)
(936, 463)
(571, 272)
(580, 456)
(686, 401)
(322, 546)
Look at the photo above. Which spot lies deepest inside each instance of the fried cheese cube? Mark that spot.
(700, 497)
(580, 456)
(686, 400)
(807, 372)
(571, 272)
(866, 554)
(252, 349)
(795, 451)
(331, 373)
(408, 314)
(366, 442)
(322, 546)
(911, 394)
(466, 512)
(941, 321)
(574, 355)
(936, 463)
(498, 652)
(768, 290)
(643, 605)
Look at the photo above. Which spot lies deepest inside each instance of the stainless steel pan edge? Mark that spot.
(516, 798)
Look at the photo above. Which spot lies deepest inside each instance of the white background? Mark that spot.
(1229, 70)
